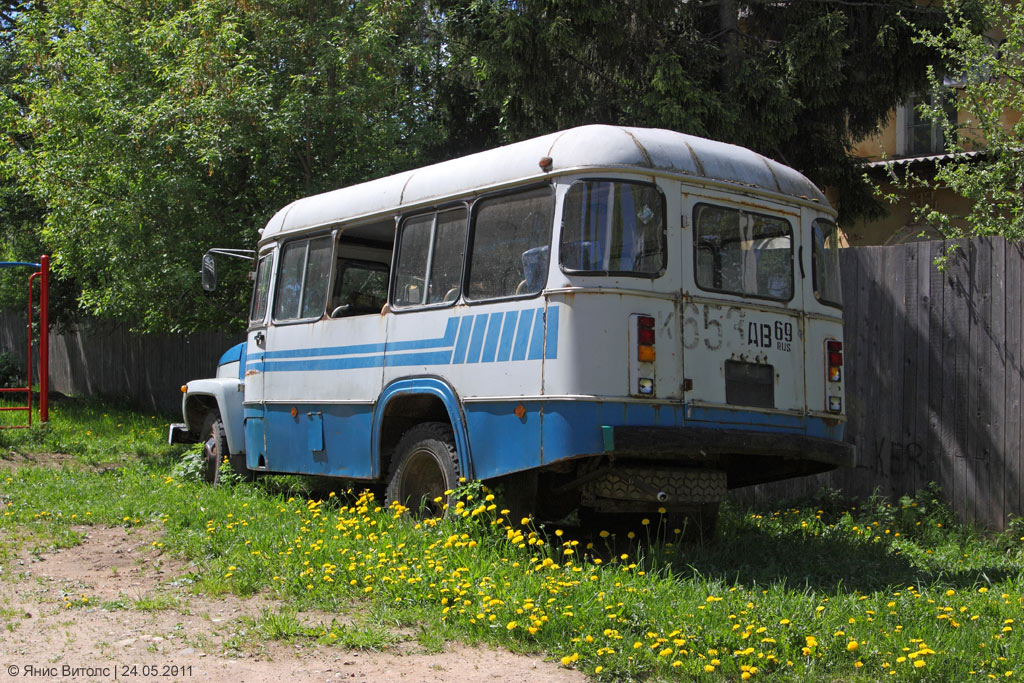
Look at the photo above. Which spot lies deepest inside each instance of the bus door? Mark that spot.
(255, 349)
(743, 328)
(324, 357)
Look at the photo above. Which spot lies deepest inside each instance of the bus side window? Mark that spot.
(360, 287)
(511, 234)
(430, 253)
(261, 290)
(302, 282)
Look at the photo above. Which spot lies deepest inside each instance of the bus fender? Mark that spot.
(432, 386)
(226, 393)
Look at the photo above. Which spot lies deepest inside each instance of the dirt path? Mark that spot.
(114, 606)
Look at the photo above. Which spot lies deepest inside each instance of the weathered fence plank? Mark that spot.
(107, 360)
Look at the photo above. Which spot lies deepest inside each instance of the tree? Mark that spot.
(152, 131)
(986, 70)
(796, 80)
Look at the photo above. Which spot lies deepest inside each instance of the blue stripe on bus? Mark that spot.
(522, 335)
(460, 346)
(477, 340)
(311, 365)
(422, 358)
(508, 332)
(537, 341)
(551, 341)
(480, 338)
(493, 332)
(447, 340)
(322, 351)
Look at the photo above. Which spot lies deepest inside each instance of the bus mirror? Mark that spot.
(209, 272)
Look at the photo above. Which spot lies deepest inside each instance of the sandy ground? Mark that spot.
(190, 637)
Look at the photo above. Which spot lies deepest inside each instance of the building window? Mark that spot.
(923, 136)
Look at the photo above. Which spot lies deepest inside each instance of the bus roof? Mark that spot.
(597, 147)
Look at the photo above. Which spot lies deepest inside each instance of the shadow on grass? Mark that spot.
(754, 556)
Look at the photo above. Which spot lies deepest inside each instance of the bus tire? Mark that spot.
(424, 466)
(215, 448)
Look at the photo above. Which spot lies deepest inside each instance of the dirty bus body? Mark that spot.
(610, 319)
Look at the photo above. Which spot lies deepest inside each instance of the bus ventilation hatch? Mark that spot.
(749, 384)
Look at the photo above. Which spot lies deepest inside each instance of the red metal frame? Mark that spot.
(43, 274)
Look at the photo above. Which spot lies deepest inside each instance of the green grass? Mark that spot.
(95, 432)
(821, 590)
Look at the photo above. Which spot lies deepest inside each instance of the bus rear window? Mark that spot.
(613, 227)
(739, 252)
(825, 263)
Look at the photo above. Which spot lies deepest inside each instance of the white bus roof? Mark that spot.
(596, 147)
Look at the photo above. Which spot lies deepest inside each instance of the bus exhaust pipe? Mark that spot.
(662, 496)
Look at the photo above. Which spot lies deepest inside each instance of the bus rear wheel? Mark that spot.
(424, 467)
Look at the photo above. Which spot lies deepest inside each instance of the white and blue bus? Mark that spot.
(614, 320)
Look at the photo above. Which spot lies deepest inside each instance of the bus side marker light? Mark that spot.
(835, 404)
(520, 411)
(646, 386)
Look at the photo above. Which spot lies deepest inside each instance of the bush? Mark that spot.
(10, 373)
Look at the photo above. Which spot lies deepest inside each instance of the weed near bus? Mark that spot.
(824, 589)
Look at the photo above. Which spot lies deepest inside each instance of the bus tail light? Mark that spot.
(834, 354)
(645, 338)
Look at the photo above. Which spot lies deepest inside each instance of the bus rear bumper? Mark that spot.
(748, 456)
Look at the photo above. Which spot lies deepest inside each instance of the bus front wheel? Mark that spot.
(425, 466)
(215, 449)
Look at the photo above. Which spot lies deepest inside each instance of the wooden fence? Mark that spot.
(934, 377)
(107, 360)
(933, 370)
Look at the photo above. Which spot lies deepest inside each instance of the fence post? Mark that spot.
(44, 339)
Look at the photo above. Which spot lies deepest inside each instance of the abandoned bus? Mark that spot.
(612, 320)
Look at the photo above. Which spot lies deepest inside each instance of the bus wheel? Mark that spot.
(425, 465)
(215, 448)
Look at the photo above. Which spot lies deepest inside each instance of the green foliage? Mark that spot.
(10, 372)
(154, 131)
(191, 466)
(990, 96)
(138, 135)
(796, 81)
